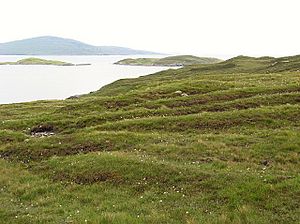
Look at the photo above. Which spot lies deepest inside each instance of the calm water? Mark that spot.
(22, 83)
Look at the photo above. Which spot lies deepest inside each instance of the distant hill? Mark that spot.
(179, 60)
(252, 65)
(48, 45)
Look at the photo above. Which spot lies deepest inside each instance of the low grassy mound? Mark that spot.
(37, 61)
(215, 143)
(180, 60)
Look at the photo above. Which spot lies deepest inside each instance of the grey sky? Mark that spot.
(201, 27)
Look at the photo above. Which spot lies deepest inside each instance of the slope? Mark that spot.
(202, 144)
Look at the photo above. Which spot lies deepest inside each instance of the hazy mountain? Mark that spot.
(48, 45)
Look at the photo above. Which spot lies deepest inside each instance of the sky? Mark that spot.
(200, 27)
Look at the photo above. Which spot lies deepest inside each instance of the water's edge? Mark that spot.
(25, 83)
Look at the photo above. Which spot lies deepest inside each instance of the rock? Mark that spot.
(42, 134)
(73, 97)
(67, 64)
(179, 92)
(82, 64)
(265, 162)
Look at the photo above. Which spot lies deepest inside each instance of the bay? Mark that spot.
(23, 83)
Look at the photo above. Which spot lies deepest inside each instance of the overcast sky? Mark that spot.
(202, 27)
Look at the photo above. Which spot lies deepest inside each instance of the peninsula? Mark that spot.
(179, 60)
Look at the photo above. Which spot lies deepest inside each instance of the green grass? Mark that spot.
(213, 143)
(180, 60)
(37, 61)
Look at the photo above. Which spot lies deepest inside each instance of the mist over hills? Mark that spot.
(50, 45)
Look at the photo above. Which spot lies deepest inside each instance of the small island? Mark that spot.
(180, 60)
(39, 61)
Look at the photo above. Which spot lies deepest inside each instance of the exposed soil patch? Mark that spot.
(89, 178)
(43, 130)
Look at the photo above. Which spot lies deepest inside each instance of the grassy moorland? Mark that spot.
(202, 144)
(180, 60)
(37, 61)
